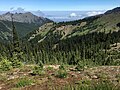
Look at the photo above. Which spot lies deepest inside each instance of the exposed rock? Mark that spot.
(53, 66)
(94, 77)
(0, 87)
(72, 69)
(13, 77)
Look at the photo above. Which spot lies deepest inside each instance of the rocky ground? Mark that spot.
(8, 80)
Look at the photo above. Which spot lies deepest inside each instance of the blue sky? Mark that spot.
(59, 5)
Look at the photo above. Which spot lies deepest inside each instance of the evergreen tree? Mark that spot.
(16, 44)
(17, 54)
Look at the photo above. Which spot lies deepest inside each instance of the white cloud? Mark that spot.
(11, 8)
(73, 15)
(38, 13)
(18, 10)
(92, 13)
(59, 17)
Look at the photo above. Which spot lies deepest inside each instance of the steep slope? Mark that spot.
(24, 23)
(115, 10)
(58, 31)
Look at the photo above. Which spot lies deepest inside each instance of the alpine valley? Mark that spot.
(37, 53)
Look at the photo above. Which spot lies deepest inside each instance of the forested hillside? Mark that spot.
(91, 39)
(71, 42)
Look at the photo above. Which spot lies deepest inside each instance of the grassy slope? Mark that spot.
(100, 23)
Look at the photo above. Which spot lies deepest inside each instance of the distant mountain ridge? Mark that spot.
(26, 17)
(24, 23)
(59, 16)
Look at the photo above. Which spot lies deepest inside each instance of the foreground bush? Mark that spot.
(5, 65)
(61, 74)
(24, 82)
(16, 63)
(80, 66)
(62, 67)
(38, 71)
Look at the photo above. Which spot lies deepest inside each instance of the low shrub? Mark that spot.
(62, 67)
(49, 68)
(24, 82)
(84, 82)
(61, 74)
(5, 65)
(38, 71)
(16, 63)
(80, 66)
(40, 64)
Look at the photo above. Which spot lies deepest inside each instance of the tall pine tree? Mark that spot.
(17, 54)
